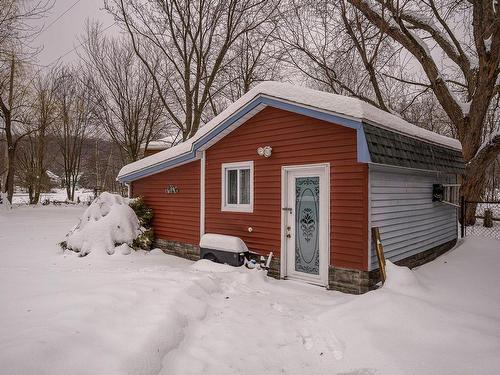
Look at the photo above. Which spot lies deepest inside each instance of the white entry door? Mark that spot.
(306, 210)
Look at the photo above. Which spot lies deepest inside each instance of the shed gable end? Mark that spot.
(295, 140)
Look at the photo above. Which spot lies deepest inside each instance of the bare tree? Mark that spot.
(467, 33)
(337, 50)
(492, 126)
(191, 41)
(102, 163)
(25, 162)
(422, 109)
(14, 91)
(15, 28)
(16, 24)
(257, 58)
(44, 111)
(125, 100)
(42, 115)
(74, 124)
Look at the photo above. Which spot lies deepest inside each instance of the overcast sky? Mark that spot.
(66, 33)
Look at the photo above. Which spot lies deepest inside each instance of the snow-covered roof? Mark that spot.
(157, 145)
(342, 109)
(52, 176)
(162, 143)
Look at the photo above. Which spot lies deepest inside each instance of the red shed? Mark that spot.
(305, 175)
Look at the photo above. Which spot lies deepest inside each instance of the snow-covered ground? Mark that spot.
(158, 314)
(57, 195)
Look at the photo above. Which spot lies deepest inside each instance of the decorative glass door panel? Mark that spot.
(307, 225)
(306, 202)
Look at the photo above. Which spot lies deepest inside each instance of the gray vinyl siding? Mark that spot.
(401, 206)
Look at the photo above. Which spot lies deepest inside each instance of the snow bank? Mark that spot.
(55, 196)
(123, 249)
(400, 279)
(4, 201)
(156, 252)
(108, 225)
(158, 314)
(204, 265)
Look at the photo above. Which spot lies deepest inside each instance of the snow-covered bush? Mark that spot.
(106, 224)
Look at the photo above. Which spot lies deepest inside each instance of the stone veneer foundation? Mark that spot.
(340, 279)
(180, 249)
(359, 282)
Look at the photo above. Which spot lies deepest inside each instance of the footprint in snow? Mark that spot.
(325, 344)
(331, 344)
(308, 342)
(276, 306)
(306, 338)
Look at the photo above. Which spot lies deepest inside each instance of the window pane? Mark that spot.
(244, 186)
(232, 187)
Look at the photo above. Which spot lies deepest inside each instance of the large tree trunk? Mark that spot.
(70, 192)
(30, 194)
(9, 181)
(478, 80)
(472, 189)
(39, 172)
(36, 196)
(478, 160)
(11, 145)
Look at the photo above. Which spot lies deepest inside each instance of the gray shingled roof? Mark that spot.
(388, 147)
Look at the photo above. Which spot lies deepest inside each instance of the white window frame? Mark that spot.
(236, 207)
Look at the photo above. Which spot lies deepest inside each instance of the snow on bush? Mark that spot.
(107, 226)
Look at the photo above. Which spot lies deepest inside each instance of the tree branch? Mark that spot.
(417, 47)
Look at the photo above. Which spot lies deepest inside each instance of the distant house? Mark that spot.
(161, 144)
(305, 174)
(54, 179)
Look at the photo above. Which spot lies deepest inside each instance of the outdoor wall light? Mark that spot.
(265, 151)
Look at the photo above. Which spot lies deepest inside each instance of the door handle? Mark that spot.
(287, 209)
